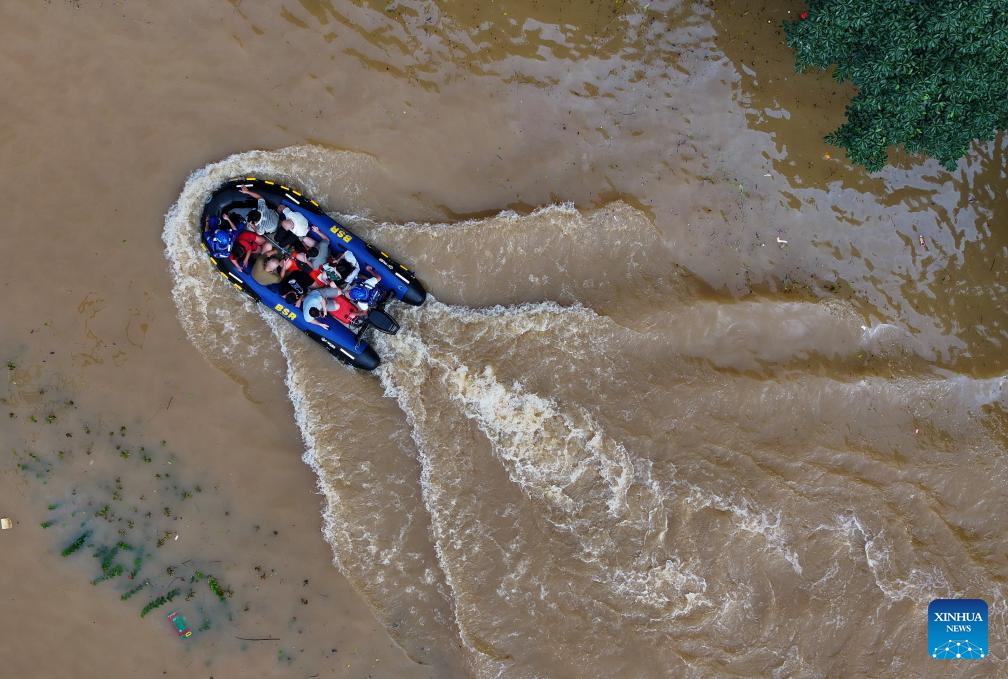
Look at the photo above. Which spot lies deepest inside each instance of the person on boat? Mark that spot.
(236, 221)
(315, 257)
(363, 293)
(263, 220)
(243, 249)
(247, 244)
(266, 270)
(319, 253)
(296, 224)
(295, 281)
(342, 270)
(244, 243)
(327, 301)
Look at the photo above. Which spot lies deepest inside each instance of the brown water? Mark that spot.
(690, 397)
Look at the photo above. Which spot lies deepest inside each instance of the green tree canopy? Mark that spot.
(932, 75)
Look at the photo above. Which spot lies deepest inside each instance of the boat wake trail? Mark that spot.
(583, 458)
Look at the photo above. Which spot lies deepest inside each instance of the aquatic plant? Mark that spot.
(137, 565)
(76, 544)
(158, 602)
(129, 593)
(109, 568)
(113, 572)
(929, 73)
(216, 588)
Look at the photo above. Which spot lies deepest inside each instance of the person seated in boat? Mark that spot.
(266, 270)
(263, 219)
(235, 220)
(363, 293)
(318, 254)
(317, 272)
(323, 302)
(296, 225)
(243, 249)
(342, 270)
(244, 243)
(295, 281)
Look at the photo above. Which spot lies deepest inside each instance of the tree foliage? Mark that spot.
(931, 75)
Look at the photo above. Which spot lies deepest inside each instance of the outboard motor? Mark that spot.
(383, 322)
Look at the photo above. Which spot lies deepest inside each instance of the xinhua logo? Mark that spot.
(957, 629)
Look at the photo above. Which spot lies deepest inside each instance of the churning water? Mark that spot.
(597, 466)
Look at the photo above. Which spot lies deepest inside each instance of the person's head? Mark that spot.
(312, 252)
(238, 251)
(314, 312)
(272, 264)
(254, 216)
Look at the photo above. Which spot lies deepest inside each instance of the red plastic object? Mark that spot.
(181, 626)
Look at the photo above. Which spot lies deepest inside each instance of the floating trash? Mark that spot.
(181, 626)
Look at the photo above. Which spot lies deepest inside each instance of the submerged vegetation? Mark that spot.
(125, 525)
(117, 508)
(930, 74)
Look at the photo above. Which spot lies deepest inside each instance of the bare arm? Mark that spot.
(249, 192)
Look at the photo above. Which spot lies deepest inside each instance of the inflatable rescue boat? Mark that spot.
(358, 279)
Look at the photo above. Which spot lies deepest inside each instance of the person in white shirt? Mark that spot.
(297, 224)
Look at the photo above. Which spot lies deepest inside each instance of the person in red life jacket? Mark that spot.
(296, 280)
(247, 242)
(246, 245)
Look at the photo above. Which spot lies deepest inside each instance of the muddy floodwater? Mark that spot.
(691, 396)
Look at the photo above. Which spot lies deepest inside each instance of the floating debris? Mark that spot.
(5, 524)
(181, 626)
